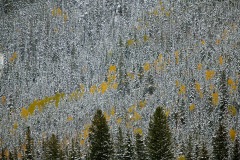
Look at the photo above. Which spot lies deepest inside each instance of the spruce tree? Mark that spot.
(189, 149)
(53, 148)
(220, 144)
(223, 96)
(29, 145)
(99, 138)
(159, 137)
(120, 145)
(140, 148)
(204, 153)
(129, 149)
(236, 150)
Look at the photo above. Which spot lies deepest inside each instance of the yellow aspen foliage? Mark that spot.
(69, 118)
(162, 8)
(82, 88)
(106, 116)
(160, 57)
(132, 109)
(203, 42)
(3, 100)
(142, 104)
(199, 66)
(176, 53)
(103, 87)
(232, 110)
(15, 125)
(167, 13)
(218, 41)
(230, 82)
(130, 42)
(232, 134)
(161, 3)
(82, 142)
(93, 89)
(85, 133)
(215, 98)
(57, 98)
(198, 87)
(138, 131)
(181, 157)
(130, 75)
(24, 113)
(19, 155)
(145, 38)
(211, 87)
(182, 89)
(201, 94)
(119, 120)
(65, 17)
(221, 60)
(155, 12)
(54, 12)
(32, 107)
(59, 11)
(40, 105)
(115, 85)
(209, 74)
(167, 112)
(13, 57)
(6, 153)
(177, 83)
(136, 116)
(112, 68)
(112, 112)
(146, 67)
(192, 107)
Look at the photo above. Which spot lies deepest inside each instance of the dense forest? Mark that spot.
(119, 79)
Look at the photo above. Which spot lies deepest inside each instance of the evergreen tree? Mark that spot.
(53, 148)
(223, 96)
(220, 144)
(236, 150)
(120, 145)
(129, 149)
(99, 138)
(189, 149)
(140, 148)
(159, 137)
(204, 153)
(29, 145)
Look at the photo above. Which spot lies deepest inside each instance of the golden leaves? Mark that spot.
(119, 120)
(182, 89)
(13, 57)
(112, 68)
(167, 112)
(221, 60)
(130, 42)
(209, 74)
(93, 89)
(142, 104)
(192, 107)
(132, 109)
(136, 116)
(69, 118)
(3, 100)
(145, 38)
(176, 53)
(115, 85)
(112, 112)
(103, 87)
(181, 157)
(232, 134)
(24, 113)
(146, 67)
(203, 42)
(199, 66)
(215, 98)
(232, 110)
(15, 125)
(218, 41)
(138, 131)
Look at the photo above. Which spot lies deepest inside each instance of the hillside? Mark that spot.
(63, 60)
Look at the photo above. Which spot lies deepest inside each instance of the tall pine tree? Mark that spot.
(99, 138)
(220, 144)
(159, 137)
(236, 150)
(120, 145)
(129, 149)
(140, 148)
(29, 153)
